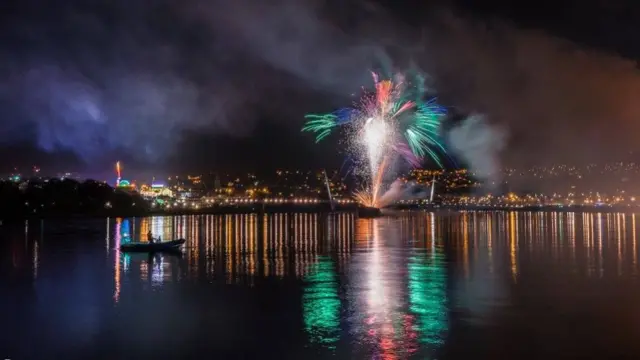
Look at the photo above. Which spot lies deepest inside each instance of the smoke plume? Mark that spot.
(479, 144)
(533, 86)
(401, 191)
(116, 79)
(559, 102)
(99, 76)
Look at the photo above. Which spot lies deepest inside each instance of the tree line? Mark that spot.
(55, 197)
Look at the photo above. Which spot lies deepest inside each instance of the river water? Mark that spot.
(449, 285)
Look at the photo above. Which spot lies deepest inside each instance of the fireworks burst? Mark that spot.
(392, 119)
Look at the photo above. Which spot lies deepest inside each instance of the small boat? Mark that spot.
(173, 245)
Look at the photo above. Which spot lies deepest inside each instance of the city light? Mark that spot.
(606, 186)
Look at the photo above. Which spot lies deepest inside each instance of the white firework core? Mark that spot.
(375, 138)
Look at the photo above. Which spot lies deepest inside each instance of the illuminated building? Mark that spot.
(122, 183)
(68, 175)
(155, 190)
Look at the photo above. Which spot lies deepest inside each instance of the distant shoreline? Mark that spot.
(360, 211)
(581, 209)
(216, 210)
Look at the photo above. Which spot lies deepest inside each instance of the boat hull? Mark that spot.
(368, 212)
(173, 245)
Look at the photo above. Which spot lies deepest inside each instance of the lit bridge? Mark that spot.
(269, 205)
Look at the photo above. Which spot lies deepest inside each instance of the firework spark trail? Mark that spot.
(405, 151)
(422, 133)
(393, 119)
(377, 181)
(363, 197)
(322, 125)
(371, 196)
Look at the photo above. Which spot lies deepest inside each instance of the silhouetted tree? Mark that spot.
(66, 197)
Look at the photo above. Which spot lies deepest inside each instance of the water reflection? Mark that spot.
(116, 276)
(321, 303)
(427, 296)
(384, 288)
(397, 292)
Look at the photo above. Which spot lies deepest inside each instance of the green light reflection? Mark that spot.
(321, 303)
(428, 297)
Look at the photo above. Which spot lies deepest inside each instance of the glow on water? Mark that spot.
(414, 285)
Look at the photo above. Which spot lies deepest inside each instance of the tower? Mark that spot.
(216, 183)
(118, 173)
(326, 182)
(433, 185)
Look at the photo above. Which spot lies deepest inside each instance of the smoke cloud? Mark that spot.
(479, 144)
(401, 191)
(123, 75)
(138, 113)
(557, 101)
(115, 78)
(295, 37)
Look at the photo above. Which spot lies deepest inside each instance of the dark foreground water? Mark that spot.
(422, 285)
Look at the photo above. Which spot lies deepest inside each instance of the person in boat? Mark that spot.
(150, 237)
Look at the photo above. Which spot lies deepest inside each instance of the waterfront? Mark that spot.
(419, 285)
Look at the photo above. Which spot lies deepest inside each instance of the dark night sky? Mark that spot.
(194, 85)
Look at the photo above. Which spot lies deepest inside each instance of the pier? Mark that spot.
(247, 206)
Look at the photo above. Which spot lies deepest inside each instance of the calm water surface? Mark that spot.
(501, 285)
